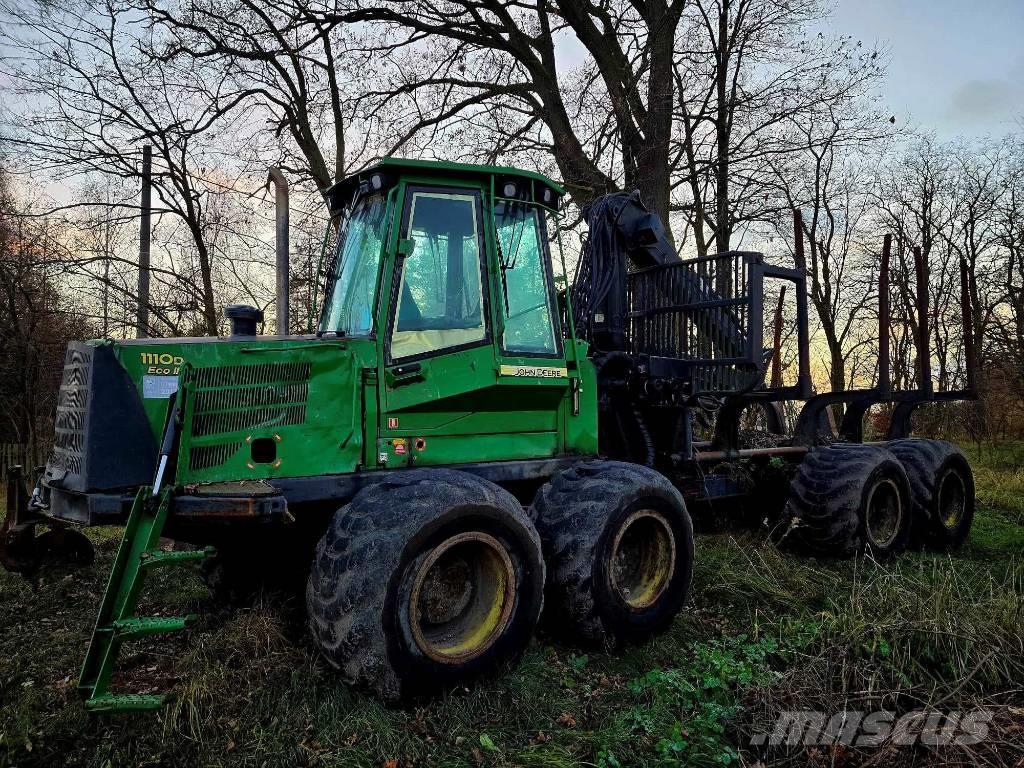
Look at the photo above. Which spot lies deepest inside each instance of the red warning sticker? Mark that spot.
(392, 422)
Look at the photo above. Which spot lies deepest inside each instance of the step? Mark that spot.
(154, 558)
(125, 702)
(143, 626)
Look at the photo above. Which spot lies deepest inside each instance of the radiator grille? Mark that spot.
(265, 405)
(251, 397)
(232, 399)
(216, 423)
(251, 375)
(206, 456)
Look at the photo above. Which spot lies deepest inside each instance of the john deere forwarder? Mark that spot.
(463, 440)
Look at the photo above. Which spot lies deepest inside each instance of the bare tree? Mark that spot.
(913, 204)
(747, 72)
(944, 199)
(1008, 233)
(302, 74)
(92, 98)
(681, 99)
(829, 183)
(35, 320)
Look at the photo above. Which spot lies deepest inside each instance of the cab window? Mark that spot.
(526, 280)
(440, 298)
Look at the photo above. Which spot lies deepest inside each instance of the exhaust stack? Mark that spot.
(281, 231)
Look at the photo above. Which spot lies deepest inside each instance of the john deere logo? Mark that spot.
(533, 371)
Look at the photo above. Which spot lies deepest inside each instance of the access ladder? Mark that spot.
(137, 555)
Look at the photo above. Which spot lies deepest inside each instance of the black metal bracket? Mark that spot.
(813, 424)
(17, 534)
(852, 427)
(900, 425)
(727, 421)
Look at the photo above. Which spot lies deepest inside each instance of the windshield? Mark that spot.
(350, 295)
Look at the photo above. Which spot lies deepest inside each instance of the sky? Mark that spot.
(956, 68)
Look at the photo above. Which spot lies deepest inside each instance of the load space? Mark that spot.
(476, 442)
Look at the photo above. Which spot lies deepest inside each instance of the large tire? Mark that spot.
(942, 491)
(848, 498)
(619, 546)
(423, 581)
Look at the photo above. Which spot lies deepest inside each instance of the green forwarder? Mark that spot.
(461, 443)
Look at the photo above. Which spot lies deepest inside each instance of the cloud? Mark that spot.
(988, 99)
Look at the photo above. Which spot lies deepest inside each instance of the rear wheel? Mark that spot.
(850, 497)
(942, 490)
(425, 580)
(619, 546)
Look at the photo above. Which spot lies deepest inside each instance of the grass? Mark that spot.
(764, 632)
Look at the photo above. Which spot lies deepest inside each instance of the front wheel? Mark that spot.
(619, 545)
(425, 580)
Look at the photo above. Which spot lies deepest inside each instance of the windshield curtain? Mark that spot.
(350, 307)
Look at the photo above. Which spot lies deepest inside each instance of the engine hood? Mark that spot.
(254, 408)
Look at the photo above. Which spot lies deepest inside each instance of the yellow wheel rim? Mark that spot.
(952, 500)
(884, 514)
(462, 597)
(643, 559)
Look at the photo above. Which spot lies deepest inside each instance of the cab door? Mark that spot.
(450, 393)
(532, 367)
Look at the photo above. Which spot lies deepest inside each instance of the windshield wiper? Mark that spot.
(504, 279)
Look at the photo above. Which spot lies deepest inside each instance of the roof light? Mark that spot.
(509, 190)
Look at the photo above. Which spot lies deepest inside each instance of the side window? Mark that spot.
(440, 296)
(527, 306)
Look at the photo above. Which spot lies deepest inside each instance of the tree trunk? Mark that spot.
(206, 272)
(653, 165)
(722, 119)
(837, 372)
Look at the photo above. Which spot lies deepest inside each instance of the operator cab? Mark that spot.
(445, 269)
(444, 222)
